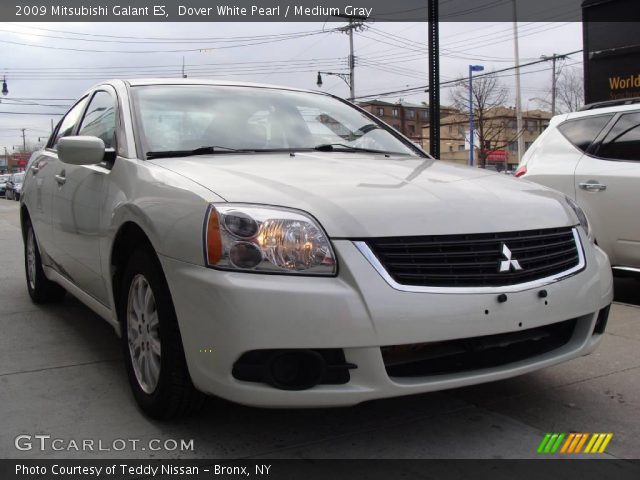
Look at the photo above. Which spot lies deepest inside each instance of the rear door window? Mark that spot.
(581, 132)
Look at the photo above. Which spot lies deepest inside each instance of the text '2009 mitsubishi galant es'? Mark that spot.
(278, 247)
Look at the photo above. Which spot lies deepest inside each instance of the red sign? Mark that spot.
(497, 156)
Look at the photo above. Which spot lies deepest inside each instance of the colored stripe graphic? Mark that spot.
(550, 443)
(582, 441)
(555, 447)
(575, 442)
(598, 442)
(543, 443)
(606, 441)
(567, 443)
(572, 443)
(593, 439)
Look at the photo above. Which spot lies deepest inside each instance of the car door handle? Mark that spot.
(61, 179)
(592, 186)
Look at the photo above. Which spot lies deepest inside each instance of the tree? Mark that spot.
(569, 91)
(489, 97)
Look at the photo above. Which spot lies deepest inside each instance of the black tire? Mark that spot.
(174, 394)
(41, 289)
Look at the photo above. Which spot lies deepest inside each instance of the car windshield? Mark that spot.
(179, 119)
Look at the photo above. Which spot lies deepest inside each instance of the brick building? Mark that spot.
(407, 118)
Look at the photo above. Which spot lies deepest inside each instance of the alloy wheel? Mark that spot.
(31, 259)
(143, 334)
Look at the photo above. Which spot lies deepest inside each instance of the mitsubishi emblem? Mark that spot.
(509, 263)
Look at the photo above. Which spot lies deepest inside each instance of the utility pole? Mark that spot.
(352, 63)
(24, 141)
(554, 79)
(183, 74)
(355, 23)
(553, 85)
(516, 54)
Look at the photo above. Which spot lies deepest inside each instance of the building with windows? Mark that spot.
(408, 118)
(500, 136)
(17, 162)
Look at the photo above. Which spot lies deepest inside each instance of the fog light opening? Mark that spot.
(295, 370)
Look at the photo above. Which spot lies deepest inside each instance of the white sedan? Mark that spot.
(279, 247)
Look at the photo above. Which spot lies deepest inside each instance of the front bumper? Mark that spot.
(225, 314)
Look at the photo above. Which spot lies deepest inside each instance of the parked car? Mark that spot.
(3, 184)
(279, 247)
(14, 186)
(593, 157)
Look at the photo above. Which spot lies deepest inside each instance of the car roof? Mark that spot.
(135, 82)
(604, 110)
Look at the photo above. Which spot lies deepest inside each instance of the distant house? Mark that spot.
(501, 148)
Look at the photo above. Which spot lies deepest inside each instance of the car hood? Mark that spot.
(363, 195)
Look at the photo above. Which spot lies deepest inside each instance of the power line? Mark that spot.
(127, 39)
(454, 81)
(31, 113)
(185, 50)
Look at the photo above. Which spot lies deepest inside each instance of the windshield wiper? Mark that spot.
(196, 151)
(330, 147)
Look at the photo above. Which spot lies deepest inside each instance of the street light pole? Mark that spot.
(345, 77)
(472, 68)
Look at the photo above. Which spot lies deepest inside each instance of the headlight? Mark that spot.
(582, 218)
(255, 238)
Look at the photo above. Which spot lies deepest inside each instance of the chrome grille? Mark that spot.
(473, 260)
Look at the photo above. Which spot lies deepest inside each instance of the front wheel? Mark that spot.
(151, 341)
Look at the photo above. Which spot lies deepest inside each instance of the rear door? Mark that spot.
(607, 183)
(554, 156)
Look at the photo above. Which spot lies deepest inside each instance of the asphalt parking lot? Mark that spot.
(61, 374)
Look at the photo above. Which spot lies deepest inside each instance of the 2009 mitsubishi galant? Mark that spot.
(279, 247)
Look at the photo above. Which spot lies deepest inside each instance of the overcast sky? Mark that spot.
(390, 56)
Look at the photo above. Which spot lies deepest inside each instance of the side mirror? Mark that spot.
(82, 150)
